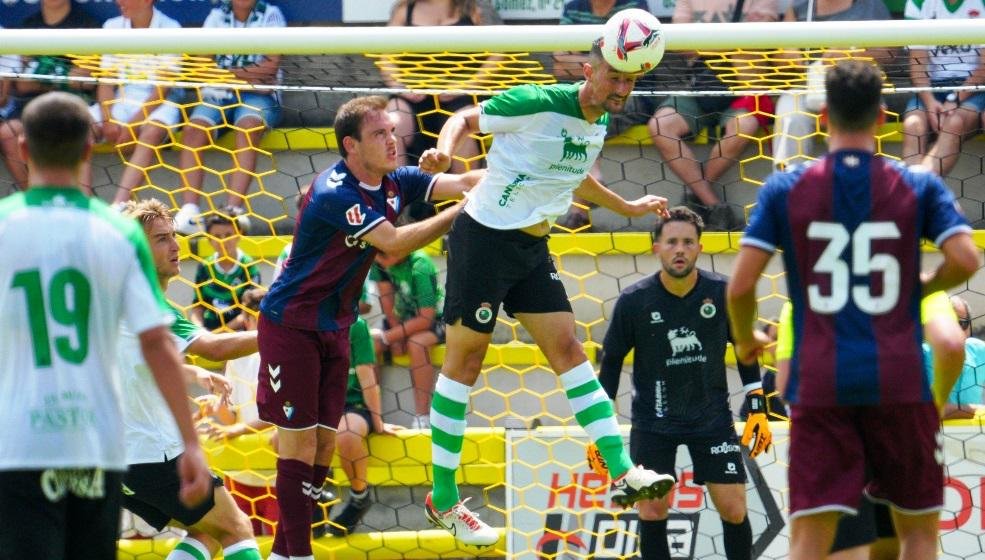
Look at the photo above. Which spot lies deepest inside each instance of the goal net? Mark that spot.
(523, 457)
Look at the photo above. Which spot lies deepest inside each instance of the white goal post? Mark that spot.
(500, 38)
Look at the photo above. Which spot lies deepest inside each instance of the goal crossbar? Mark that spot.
(499, 38)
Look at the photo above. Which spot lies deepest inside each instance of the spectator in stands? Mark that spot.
(135, 116)
(796, 114)
(363, 415)
(249, 112)
(411, 300)
(967, 399)
(52, 14)
(958, 124)
(949, 115)
(418, 122)
(682, 116)
(568, 67)
(222, 279)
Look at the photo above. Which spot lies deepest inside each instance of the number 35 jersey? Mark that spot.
(850, 227)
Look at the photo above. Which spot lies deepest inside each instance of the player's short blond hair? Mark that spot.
(147, 210)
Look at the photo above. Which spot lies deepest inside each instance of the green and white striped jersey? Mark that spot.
(542, 150)
(72, 270)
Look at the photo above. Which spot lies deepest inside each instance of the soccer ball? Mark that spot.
(632, 41)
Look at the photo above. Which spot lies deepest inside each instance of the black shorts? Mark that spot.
(488, 267)
(716, 459)
(361, 411)
(856, 530)
(883, 519)
(150, 490)
(59, 514)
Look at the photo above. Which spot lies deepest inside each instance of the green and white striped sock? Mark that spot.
(594, 411)
(448, 406)
(189, 549)
(243, 550)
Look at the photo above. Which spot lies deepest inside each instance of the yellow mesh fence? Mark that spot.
(532, 485)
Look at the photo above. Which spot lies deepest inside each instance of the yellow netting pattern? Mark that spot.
(516, 387)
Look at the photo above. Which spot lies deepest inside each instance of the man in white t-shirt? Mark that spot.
(152, 444)
(72, 272)
(249, 112)
(546, 139)
(139, 109)
(948, 114)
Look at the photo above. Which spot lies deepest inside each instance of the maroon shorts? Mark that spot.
(830, 448)
(303, 376)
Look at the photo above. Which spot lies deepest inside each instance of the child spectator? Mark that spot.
(222, 279)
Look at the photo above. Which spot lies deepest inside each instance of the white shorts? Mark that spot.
(129, 102)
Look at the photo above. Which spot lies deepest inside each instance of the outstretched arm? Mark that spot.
(400, 241)
(449, 186)
(595, 192)
(220, 347)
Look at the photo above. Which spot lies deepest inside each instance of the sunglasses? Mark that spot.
(964, 323)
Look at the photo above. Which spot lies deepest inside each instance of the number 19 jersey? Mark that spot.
(850, 227)
(70, 270)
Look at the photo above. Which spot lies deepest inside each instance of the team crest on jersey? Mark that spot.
(393, 199)
(288, 410)
(708, 309)
(354, 215)
(484, 313)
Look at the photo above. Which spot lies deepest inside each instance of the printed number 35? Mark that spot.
(863, 263)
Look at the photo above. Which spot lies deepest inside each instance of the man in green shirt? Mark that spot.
(411, 299)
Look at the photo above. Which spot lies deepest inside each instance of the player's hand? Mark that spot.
(595, 460)
(194, 474)
(749, 351)
(216, 384)
(219, 432)
(757, 436)
(648, 204)
(390, 429)
(433, 161)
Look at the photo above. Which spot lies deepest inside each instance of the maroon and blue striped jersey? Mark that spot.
(323, 277)
(850, 226)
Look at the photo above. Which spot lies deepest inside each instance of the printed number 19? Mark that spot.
(864, 263)
(69, 296)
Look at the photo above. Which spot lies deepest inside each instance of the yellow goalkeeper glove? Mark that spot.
(757, 430)
(596, 461)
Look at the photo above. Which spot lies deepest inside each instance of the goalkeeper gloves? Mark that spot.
(757, 432)
(595, 460)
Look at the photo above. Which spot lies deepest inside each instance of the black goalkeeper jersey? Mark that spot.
(679, 348)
